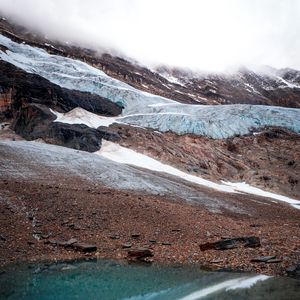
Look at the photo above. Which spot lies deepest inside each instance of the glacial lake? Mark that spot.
(108, 280)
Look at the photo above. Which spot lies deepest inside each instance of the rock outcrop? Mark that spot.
(26, 99)
(19, 88)
(35, 121)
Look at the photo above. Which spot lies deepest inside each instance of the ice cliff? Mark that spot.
(144, 109)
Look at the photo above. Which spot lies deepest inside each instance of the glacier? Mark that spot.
(144, 109)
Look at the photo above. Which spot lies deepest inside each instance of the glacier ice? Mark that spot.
(144, 109)
(37, 157)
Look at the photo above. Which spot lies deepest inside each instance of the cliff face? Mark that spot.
(6, 102)
(18, 88)
(26, 100)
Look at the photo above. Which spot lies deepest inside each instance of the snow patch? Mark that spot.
(81, 116)
(124, 155)
(172, 79)
(246, 188)
(287, 84)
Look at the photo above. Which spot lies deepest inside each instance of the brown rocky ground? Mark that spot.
(108, 219)
(268, 159)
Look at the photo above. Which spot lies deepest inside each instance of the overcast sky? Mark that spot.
(199, 34)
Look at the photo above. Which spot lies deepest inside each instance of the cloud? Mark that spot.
(199, 34)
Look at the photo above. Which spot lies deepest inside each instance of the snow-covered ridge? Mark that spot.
(144, 109)
(124, 155)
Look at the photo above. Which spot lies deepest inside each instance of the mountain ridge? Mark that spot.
(213, 89)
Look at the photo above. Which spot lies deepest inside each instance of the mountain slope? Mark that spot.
(267, 87)
(147, 110)
(141, 157)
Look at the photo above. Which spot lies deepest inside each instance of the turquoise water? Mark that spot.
(112, 281)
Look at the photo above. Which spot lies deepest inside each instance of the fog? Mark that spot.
(210, 35)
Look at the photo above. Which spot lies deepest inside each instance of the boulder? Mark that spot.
(227, 244)
(126, 246)
(140, 253)
(83, 247)
(294, 271)
(263, 258)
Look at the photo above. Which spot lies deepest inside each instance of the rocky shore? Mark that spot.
(99, 222)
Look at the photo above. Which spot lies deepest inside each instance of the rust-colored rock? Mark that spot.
(140, 253)
(83, 247)
(251, 242)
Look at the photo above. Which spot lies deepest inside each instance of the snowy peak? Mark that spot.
(262, 86)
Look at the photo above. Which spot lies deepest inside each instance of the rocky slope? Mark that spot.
(50, 194)
(268, 160)
(172, 182)
(265, 86)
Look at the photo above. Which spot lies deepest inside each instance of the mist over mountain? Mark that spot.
(201, 35)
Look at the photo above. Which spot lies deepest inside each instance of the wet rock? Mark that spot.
(291, 163)
(83, 247)
(30, 217)
(263, 258)
(294, 271)
(135, 235)
(274, 261)
(227, 244)
(67, 243)
(70, 242)
(140, 253)
(76, 136)
(166, 244)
